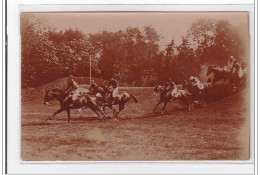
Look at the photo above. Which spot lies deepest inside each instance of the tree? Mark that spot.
(36, 52)
(214, 41)
(126, 55)
(48, 55)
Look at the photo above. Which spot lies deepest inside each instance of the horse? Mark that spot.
(199, 90)
(121, 98)
(239, 77)
(67, 102)
(166, 97)
(219, 73)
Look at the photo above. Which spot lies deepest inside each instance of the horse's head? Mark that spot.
(158, 89)
(185, 84)
(209, 70)
(93, 89)
(49, 96)
(53, 94)
(193, 80)
(71, 84)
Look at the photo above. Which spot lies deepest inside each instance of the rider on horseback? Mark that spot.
(71, 88)
(237, 69)
(171, 88)
(98, 95)
(93, 84)
(195, 82)
(113, 89)
(231, 62)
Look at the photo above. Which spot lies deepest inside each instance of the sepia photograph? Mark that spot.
(135, 86)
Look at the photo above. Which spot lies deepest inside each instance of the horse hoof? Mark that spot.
(116, 120)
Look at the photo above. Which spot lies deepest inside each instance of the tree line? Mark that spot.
(133, 56)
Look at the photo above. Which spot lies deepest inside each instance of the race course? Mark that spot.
(218, 131)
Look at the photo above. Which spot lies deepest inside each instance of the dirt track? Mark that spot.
(219, 131)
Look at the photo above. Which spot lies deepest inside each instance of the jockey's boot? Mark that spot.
(104, 100)
(171, 100)
(110, 100)
(70, 97)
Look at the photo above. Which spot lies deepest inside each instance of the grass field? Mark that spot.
(218, 131)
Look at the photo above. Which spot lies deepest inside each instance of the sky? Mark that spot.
(171, 25)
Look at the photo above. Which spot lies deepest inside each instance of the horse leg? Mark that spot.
(122, 107)
(113, 109)
(57, 112)
(164, 105)
(100, 118)
(110, 107)
(80, 111)
(189, 107)
(68, 113)
(104, 109)
(97, 110)
(119, 109)
(157, 105)
(214, 82)
(102, 112)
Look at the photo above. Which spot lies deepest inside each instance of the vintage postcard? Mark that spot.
(135, 86)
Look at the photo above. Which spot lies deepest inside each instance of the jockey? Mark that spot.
(237, 69)
(195, 81)
(231, 62)
(71, 88)
(71, 84)
(93, 84)
(171, 87)
(113, 88)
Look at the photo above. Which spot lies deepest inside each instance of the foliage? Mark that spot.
(132, 56)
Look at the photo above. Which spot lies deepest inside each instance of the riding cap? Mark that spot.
(70, 78)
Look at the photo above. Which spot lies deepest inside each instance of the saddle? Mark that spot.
(178, 94)
(79, 92)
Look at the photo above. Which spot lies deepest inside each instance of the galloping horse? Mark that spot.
(67, 102)
(239, 77)
(121, 98)
(199, 90)
(219, 74)
(166, 97)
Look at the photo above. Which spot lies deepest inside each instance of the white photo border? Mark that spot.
(16, 166)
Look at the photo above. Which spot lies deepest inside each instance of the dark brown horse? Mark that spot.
(238, 78)
(67, 103)
(219, 74)
(198, 90)
(166, 97)
(121, 98)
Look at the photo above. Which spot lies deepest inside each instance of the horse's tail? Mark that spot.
(134, 97)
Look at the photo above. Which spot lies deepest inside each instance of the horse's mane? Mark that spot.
(56, 90)
(160, 88)
(104, 87)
